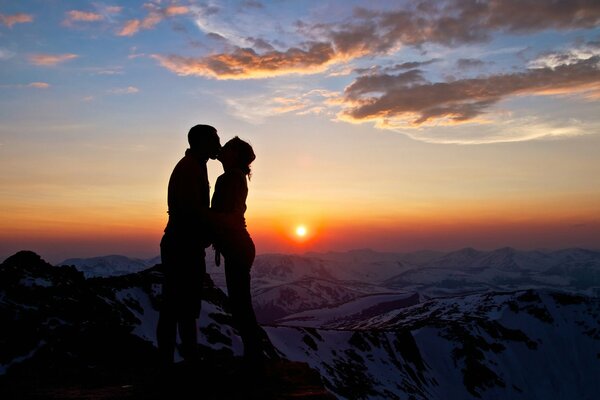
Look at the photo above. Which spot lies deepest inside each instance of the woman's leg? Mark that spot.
(237, 273)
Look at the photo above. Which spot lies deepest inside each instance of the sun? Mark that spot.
(301, 231)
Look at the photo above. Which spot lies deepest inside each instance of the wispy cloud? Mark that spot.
(468, 63)
(376, 69)
(51, 59)
(124, 90)
(118, 70)
(412, 99)
(504, 129)
(81, 16)
(257, 108)
(130, 28)
(34, 85)
(252, 4)
(154, 16)
(39, 85)
(10, 20)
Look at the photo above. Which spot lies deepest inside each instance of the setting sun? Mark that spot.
(301, 231)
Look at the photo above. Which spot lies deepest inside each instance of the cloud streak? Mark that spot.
(155, 15)
(10, 20)
(86, 16)
(39, 85)
(33, 85)
(124, 90)
(49, 60)
(74, 16)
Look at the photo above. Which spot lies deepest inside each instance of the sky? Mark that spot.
(390, 125)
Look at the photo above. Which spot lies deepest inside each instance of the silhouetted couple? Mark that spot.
(193, 226)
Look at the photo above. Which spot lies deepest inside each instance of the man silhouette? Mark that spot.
(182, 247)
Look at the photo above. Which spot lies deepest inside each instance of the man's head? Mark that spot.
(204, 139)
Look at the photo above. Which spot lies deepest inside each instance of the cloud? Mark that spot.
(467, 63)
(10, 20)
(568, 57)
(130, 28)
(34, 85)
(252, 4)
(113, 9)
(376, 69)
(260, 44)
(117, 70)
(501, 130)
(125, 90)
(244, 63)
(155, 15)
(50, 59)
(409, 98)
(258, 107)
(39, 85)
(369, 33)
(412, 65)
(455, 22)
(82, 16)
(175, 10)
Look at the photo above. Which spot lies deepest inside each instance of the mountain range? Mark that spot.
(428, 325)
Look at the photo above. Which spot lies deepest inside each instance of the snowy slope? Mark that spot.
(519, 345)
(357, 309)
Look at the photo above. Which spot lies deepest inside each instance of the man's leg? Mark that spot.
(166, 331)
(191, 296)
(189, 338)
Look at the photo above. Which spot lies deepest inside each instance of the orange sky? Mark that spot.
(371, 131)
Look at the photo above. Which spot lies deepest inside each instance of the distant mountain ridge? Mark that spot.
(111, 265)
(288, 284)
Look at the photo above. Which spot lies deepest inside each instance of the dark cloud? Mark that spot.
(412, 65)
(457, 22)
(252, 4)
(383, 83)
(394, 68)
(466, 63)
(260, 44)
(407, 95)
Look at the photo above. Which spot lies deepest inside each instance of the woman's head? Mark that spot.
(237, 153)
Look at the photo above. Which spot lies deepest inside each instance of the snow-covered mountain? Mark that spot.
(528, 344)
(512, 345)
(111, 265)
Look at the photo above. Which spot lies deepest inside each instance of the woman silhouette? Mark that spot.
(234, 242)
